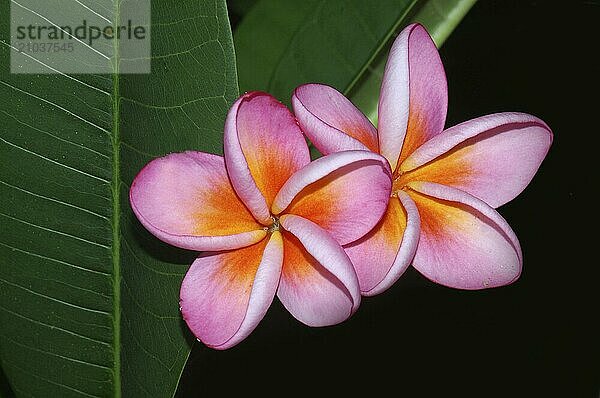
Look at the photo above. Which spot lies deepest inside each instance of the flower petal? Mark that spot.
(492, 157)
(382, 256)
(464, 243)
(331, 121)
(414, 95)
(346, 193)
(318, 285)
(263, 148)
(185, 199)
(225, 295)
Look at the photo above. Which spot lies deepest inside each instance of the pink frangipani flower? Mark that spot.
(268, 220)
(447, 183)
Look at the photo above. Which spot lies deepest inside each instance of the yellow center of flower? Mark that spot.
(400, 182)
(274, 226)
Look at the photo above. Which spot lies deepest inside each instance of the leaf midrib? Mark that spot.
(365, 66)
(116, 195)
(380, 47)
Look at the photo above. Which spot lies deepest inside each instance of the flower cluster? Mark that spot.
(320, 234)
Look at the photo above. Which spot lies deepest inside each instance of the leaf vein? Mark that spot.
(139, 344)
(54, 200)
(54, 260)
(56, 355)
(55, 299)
(54, 327)
(55, 106)
(50, 381)
(79, 146)
(55, 162)
(56, 232)
(144, 265)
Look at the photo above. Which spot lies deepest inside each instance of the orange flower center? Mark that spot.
(274, 225)
(400, 182)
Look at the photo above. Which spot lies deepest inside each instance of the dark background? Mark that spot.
(537, 337)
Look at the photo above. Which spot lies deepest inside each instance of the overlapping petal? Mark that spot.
(225, 295)
(464, 242)
(493, 157)
(185, 199)
(318, 285)
(346, 193)
(414, 95)
(331, 121)
(439, 217)
(382, 256)
(453, 176)
(263, 147)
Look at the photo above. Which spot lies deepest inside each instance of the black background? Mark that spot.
(537, 337)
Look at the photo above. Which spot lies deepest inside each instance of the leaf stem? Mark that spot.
(116, 216)
(380, 47)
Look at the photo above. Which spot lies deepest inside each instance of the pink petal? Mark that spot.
(345, 193)
(464, 243)
(318, 285)
(492, 157)
(382, 256)
(331, 121)
(414, 95)
(263, 148)
(185, 199)
(225, 295)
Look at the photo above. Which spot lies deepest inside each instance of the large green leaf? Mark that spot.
(440, 17)
(88, 299)
(283, 43)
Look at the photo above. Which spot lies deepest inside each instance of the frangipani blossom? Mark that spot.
(446, 182)
(268, 220)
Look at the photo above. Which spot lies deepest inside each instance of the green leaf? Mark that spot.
(283, 43)
(5, 390)
(440, 17)
(88, 299)
(240, 7)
